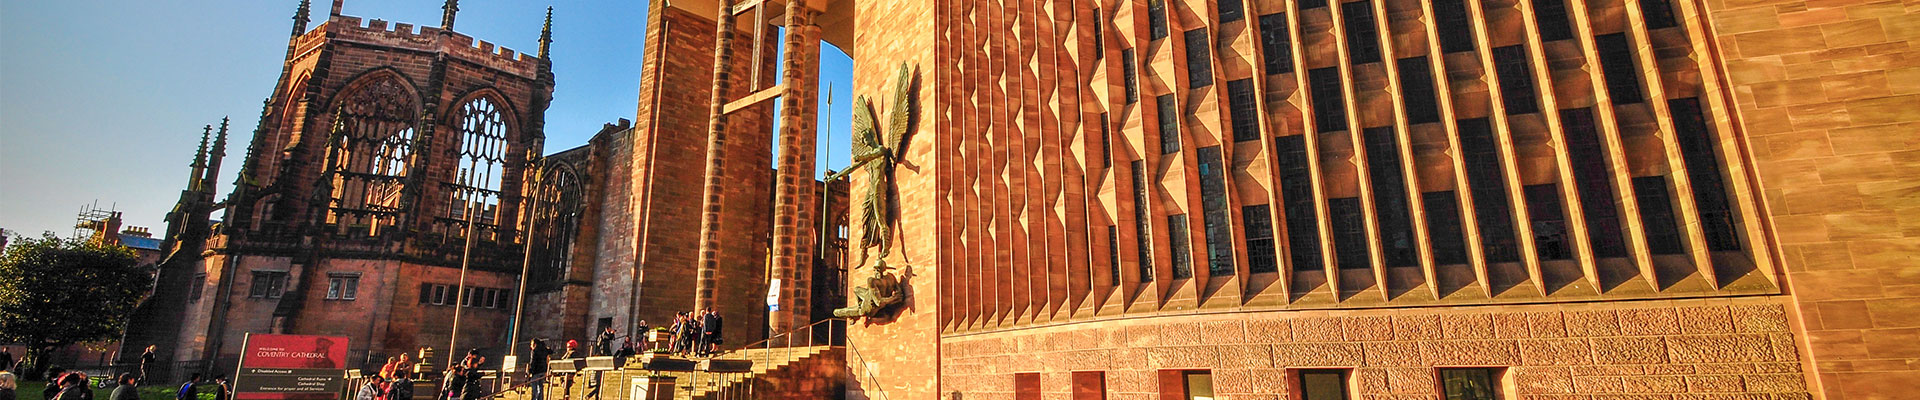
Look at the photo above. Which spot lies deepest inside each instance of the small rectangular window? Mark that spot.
(1451, 22)
(1199, 59)
(1089, 385)
(353, 288)
(333, 288)
(1261, 254)
(1312, 4)
(199, 287)
(1322, 384)
(1656, 213)
(1717, 218)
(1492, 207)
(1417, 90)
(426, 293)
(1215, 219)
(1363, 37)
(1157, 19)
(1168, 114)
(1617, 65)
(1113, 252)
(440, 295)
(1276, 43)
(1349, 233)
(1390, 207)
(1549, 222)
(1551, 16)
(1232, 10)
(1443, 228)
(1658, 13)
(1297, 198)
(1199, 385)
(1471, 383)
(1026, 386)
(1130, 73)
(1177, 243)
(1516, 80)
(1099, 33)
(1106, 141)
(1246, 123)
(268, 284)
(1594, 179)
(1143, 225)
(1329, 103)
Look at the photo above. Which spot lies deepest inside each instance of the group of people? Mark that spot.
(696, 333)
(393, 382)
(77, 385)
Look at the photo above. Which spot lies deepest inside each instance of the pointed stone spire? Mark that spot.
(301, 17)
(446, 19)
(199, 160)
(336, 8)
(213, 162)
(546, 34)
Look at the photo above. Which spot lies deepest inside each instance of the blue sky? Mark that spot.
(104, 100)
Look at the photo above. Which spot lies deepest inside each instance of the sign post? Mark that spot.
(290, 367)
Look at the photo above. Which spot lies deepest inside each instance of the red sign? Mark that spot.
(287, 367)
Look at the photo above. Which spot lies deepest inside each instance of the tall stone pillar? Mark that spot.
(711, 203)
(793, 192)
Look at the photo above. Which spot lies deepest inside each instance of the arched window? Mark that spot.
(482, 162)
(556, 223)
(370, 151)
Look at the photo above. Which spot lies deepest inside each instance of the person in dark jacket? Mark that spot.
(474, 390)
(6, 359)
(222, 389)
(127, 389)
(603, 345)
(146, 363)
(73, 386)
(710, 325)
(53, 382)
(537, 358)
(189, 390)
(402, 386)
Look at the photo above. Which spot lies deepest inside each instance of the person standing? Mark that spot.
(573, 346)
(537, 358)
(400, 389)
(146, 363)
(603, 345)
(474, 390)
(73, 386)
(189, 390)
(52, 388)
(222, 389)
(6, 360)
(127, 389)
(710, 325)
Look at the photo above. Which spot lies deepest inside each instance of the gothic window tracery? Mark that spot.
(370, 150)
(482, 131)
(556, 222)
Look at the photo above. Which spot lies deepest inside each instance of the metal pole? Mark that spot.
(460, 292)
(526, 261)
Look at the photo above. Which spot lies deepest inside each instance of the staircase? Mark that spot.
(779, 369)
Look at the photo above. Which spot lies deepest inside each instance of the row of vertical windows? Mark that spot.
(1312, 4)
(1658, 14)
(1548, 220)
(1143, 228)
(1363, 38)
(1099, 34)
(1443, 227)
(1594, 181)
(1656, 213)
(1453, 25)
(1297, 199)
(1113, 252)
(1703, 170)
(1276, 43)
(1487, 181)
(1390, 197)
(268, 284)
(1516, 79)
(1131, 74)
(1157, 19)
(1616, 63)
(1551, 16)
(1258, 220)
(1246, 124)
(1417, 90)
(1349, 225)
(1199, 59)
(1216, 219)
(1329, 104)
(1306, 384)
(1168, 114)
(1232, 10)
(1177, 242)
(343, 286)
(1106, 141)
(474, 296)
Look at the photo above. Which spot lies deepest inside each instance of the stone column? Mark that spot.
(793, 191)
(711, 202)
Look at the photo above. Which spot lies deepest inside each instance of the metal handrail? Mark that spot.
(788, 335)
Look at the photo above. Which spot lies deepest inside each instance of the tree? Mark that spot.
(55, 292)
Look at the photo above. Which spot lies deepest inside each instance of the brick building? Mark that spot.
(1392, 199)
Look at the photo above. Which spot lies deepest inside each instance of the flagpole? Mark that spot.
(460, 292)
(526, 260)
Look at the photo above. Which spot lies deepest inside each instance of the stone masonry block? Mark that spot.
(1268, 381)
(1181, 357)
(1245, 356)
(1545, 324)
(1593, 323)
(1366, 328)
(1714, 383)
(1759, 318)
(1223, 332)
(1706, 320)
(1542, 380)
(1416, 327)
(1554, 352)
(1393, 353)
(1649, 321)
(1471, 352)
(1654, 384)
(1598, 384)
(1269, 331)
(1317, 329)
(1232, 381)
(1628, 350)
(1466, 326)
(1719, 348)
(1370, 380)
(1410, 380)
(1297, 355)
(1776, 383)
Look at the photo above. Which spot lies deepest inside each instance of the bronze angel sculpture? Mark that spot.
(877, 154)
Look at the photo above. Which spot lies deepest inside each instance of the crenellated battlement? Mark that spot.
(384, 33)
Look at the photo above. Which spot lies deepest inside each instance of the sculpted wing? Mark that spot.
(898, 114)
(863, 134)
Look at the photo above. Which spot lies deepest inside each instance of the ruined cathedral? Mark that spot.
(390, 158)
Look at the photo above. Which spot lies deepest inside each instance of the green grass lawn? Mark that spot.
(31, 391)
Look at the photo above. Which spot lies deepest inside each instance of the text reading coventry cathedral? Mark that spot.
(1130, 199)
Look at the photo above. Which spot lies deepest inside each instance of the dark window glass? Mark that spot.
(1258, 221)
(426, 293)
(1157, 19)
(1329, 104)
(1594, 181)
(1113, 252)
(1232, 10)
(1549, 222)
(1276, 43)
(1026, 386)
(1106, 141)
(1199, 59)
(1470, 383)
(1089, 385)
(1443, 227)
(1131, 74)
(1416, 90)
(1516, 79)
(1143, 227)
(1178, 244)
(1363, 37)
(1216, 219)
(1658, 13)
(1492, 208)
(1616, 63)
(1349, 233)
(1099, 34)
(1450, 20)
(1246, 124)
(1168, 115)
(1323, 384)
(199, 287)
(1297, 198)
(1312, 4)
(1703, 172)
(1551, 15)
(1390, 197)
(1656, 213)
(1199, 385)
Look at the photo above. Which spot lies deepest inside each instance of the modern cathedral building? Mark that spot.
(1181, 199)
